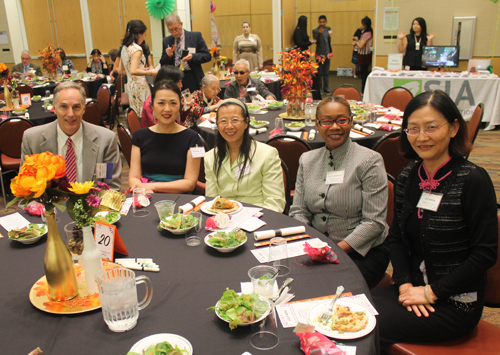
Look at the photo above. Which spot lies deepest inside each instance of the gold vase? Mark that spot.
(7, 97)
(216, 69)
(58, 264)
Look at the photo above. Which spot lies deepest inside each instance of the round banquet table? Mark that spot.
(93, 86)
(190, 280)
(318, 142)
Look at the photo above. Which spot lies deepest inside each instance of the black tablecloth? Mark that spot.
(318, 142)
(40, 116)
(191, 279)
(274, 87)
(92, 85)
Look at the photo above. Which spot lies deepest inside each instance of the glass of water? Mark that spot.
(194, 239)
(310, 113)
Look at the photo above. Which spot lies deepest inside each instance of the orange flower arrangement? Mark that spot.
(50, 59)
(296, 68)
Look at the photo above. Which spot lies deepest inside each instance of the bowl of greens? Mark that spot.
(237, 309)
(226, 242)
(108, 217)
(179, 223)
(275, 105)
(258, 124)
(254, 108)
(295, 126)
(29, 234)
(36, 98)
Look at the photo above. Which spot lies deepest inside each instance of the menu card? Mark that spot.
(13, 221)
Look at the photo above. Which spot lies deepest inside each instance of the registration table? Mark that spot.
(466, 91)
(190, 280)
(209, 134)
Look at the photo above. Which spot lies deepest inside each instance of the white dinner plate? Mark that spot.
(173, 339)
(317, 310)
(205, 207)
(209, 118)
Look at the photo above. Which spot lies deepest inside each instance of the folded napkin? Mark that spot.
(322, 253)
(254, 131)
(386, 120)
(278, 232)
(363, 129)
(190, 205)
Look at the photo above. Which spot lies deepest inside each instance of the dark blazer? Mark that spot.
(20, 69)
(193, 40)
(99, 146)
(320, 45)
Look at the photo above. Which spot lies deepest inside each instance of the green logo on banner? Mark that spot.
(414, 85)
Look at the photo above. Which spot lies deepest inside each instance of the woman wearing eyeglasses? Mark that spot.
(444, 235)
(239, 168)
(341, 190)
(206, 99)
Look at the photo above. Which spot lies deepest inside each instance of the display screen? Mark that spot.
(440, 56)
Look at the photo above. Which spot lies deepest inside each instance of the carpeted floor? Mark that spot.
(486, 153)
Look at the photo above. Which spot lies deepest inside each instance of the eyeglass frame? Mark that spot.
(407, 130)
(175, 29)
(224, 123)
(335, 121)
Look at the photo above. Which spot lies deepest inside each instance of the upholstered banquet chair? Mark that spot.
(388, 147)
(125, 139)
(475, 122)
(350, 92)
(397, 97)
(92, 113)
(134, 123)
(104, 99)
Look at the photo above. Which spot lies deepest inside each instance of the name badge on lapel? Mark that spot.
(246, 171)
(104, 170)
(430, 201)
(192, 50)
(334, 177)
(197, 152)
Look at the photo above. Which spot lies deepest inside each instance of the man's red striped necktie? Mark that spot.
(70, 161)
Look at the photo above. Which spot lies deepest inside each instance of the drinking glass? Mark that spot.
(139, 202)
(263, 279)
(194, 239)
(186, 94)
(310, 113)
(278, 255)
(264, 333)
(47, 93)
(118, 295)
(278, 124)
(165, 208)
(15, 99)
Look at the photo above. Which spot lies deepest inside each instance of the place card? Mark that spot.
(13, 221)
(26, 99)
(108, 240)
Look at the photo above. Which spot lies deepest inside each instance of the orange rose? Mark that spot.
(3, 67)
(55, 163)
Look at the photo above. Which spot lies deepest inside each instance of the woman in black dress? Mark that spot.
(444, 236)
(414, 43)
(300, 36)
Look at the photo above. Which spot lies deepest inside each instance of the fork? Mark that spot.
(325, 317)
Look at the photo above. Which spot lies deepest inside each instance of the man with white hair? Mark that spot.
(244, 84)
(25, 67)
(187, 48)
(83, 145)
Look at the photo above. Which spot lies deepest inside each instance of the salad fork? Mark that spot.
(325, 317)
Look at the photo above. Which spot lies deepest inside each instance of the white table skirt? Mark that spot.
(467, 93)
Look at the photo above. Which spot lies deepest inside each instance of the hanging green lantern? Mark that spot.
(160, 8)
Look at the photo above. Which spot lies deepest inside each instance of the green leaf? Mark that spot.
(494, 1)
(60, 207)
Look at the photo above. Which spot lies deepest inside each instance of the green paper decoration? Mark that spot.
(160, 8)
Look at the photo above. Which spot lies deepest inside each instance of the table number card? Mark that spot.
(108, 240)
(26, 99)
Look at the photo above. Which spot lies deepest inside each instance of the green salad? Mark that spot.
(175, 222)
(227, 240)
(254, 107)
(238, 309)
(254, 122)
(295, 124)
(164, 348)
(275, 104)
(37, 97)
(109, 218)
(31, 231)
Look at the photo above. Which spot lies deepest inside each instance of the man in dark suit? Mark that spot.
(322, 35)
(25, 66)
(84, 143)
(187, 48)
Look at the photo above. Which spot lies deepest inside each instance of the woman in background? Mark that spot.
(414, 43)
(444, 236)
(161, 159)
(205, 100)
(65, 65)
(354, 60)
(97, 63)
(300, 36)
(364, 49)
(133, 61)
(248, 46)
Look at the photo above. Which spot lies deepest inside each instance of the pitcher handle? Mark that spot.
(149, 291)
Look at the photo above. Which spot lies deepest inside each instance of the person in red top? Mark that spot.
(206, 99)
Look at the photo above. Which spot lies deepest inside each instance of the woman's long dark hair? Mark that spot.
(423, 26)
(221, 145)
(442, 103)
(135, 28)
(302, 23)
(368, 24)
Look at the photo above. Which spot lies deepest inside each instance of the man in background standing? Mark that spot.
(187, 48)
(322, 35)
